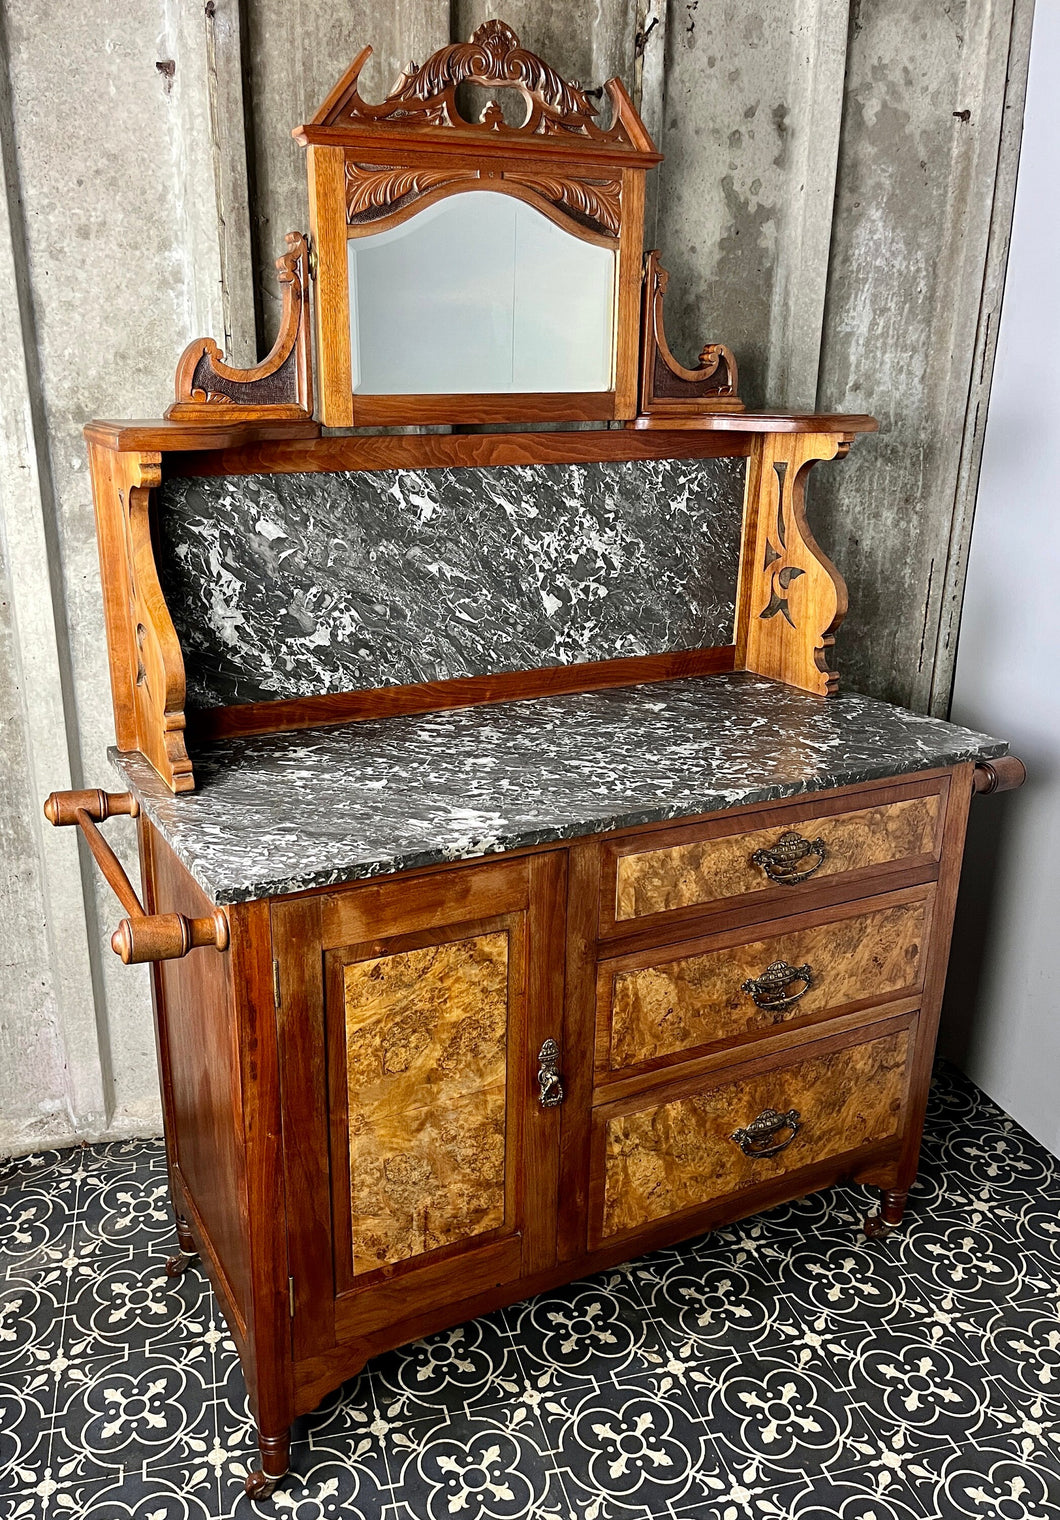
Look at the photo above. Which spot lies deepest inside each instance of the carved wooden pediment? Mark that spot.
(425, 96)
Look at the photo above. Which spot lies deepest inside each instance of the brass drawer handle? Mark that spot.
(551, 1094)
(785, 860)
(770, 990)
(759, 1141)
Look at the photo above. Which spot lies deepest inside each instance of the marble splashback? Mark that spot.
(292, 585)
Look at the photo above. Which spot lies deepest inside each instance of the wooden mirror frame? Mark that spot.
(373, 166)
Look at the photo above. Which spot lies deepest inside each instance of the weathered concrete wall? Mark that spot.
(104, 277)
(822, 209)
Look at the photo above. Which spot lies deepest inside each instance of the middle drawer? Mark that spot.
(665, 1004)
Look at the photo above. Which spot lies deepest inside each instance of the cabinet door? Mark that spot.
(420, 1162)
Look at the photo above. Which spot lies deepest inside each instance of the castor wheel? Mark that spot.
(275, 1453)
(177, 1265)
(259, 1485)
(879, 1226)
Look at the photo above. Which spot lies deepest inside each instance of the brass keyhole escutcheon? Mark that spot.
(548, 1078)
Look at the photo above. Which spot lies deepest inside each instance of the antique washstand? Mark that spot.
(520, 894)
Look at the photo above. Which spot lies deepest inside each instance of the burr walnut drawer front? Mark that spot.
(659, 1006)
(668, 1152)
(778, 851)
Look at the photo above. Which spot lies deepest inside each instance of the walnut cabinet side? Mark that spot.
(395, 1105)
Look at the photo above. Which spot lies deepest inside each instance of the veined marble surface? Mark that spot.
(290, 585)
(284, 812)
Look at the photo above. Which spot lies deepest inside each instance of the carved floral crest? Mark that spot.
(425, 95)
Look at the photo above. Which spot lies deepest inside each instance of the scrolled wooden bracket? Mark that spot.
(1005, 774)
(791, 598)
(672, 395)
(281, 386)
(142, 936)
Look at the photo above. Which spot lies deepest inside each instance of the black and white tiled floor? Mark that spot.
(783, 1369)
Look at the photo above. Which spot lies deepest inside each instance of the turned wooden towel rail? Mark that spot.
(142, 936)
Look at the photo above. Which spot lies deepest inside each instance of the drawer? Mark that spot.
(662, 1155)
(778, 851)
(658, 1005)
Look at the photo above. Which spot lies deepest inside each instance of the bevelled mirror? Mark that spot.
(480, 293)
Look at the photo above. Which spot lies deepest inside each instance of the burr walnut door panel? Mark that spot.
(669, 1151)
(421, 1162)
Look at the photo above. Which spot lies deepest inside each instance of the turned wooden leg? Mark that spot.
(879, 1226)
(176, 1265)
(275, 1456)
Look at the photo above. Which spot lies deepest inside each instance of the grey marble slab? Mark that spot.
(288, 585)
(284, 812)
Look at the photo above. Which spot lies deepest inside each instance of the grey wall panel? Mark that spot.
(751, 136)
(921, 137)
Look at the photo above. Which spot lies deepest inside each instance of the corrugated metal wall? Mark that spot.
(834, 205)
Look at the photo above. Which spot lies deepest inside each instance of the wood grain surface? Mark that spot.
(698, 999)
(676, 1155)
(659, 881)
(426, 1065)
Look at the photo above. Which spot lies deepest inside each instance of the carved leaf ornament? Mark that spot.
(426, 95)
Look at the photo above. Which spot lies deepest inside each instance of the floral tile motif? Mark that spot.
(787, 1414)
(718, 1306)
(922, 1387)
(782, 1368)
(631, 1448)
(588, 1332)
(989, 1481)
(469, 1365)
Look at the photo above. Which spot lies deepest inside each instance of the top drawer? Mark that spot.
(780, 851)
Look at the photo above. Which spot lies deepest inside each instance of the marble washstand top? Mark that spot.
(285, 812)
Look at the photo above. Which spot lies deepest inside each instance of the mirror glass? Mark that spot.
(480, 293)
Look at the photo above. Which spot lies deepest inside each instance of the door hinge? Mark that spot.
(276, 983)
(290, 1294)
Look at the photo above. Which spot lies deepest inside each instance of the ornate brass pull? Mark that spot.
(759, 1140)
(783, 860)
(770, 990)
(551, 1094)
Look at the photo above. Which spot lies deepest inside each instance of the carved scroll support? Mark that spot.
(670, 394)
(281, 386)
(791, 598)
(146, 664)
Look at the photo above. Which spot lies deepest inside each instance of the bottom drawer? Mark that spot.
(655, 1156)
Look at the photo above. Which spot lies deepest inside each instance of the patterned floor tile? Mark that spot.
(488, 1465)
(631, 1448)
(782, 1368)
(593, 1331)
(988, 1481)
(788, 1414)
(716, 1305)
(472, 1365)
(930, 1389)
